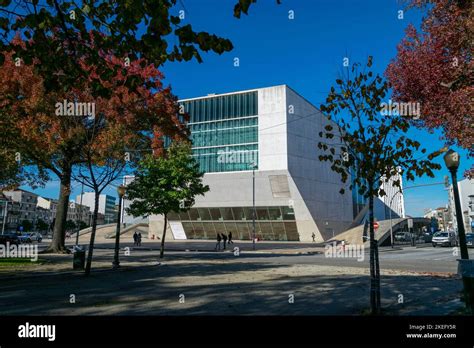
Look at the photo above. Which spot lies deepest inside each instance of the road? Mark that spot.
(221, 283)
(420, 259)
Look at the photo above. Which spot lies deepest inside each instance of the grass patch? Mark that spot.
(18, 261)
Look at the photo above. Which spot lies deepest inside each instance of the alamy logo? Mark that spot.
(75, 109)
(19, 251)
(400, 109)
(334, 250)
(232, 156)
(37, 331)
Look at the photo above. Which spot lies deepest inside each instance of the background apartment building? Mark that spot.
(466, 195)
(107, 207)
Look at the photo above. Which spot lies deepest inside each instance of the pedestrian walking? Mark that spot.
(135, 238)
(139, 239)
(224, 237)
(230, 239)
(314, 236)
(218, 244)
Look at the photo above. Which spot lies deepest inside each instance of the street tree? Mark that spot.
(157, 31)
(41, 225)
(167, 183)
(27, 225)
(434, 67)
(368, 145)
(53, 128)
(70, 225)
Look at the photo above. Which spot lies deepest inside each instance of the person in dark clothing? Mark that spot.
(135, 238)
(224, 237)
(139, 239)
(230, 239)
(218, 244)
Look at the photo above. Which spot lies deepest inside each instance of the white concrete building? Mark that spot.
(296, 194)
(466, 195)
(393, 198)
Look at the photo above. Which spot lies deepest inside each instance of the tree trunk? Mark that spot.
(94, 228)
(162, 250)
(374, 288)
(59, 231)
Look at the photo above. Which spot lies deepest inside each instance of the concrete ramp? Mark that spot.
(107, 232)
(354, 235)
(128, 231)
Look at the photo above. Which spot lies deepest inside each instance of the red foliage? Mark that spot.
(128, 113)
(434, 67)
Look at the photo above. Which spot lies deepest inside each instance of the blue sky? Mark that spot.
(305, 53)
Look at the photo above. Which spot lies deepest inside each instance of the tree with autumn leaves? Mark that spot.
(434, 67)
(135, 116)
(61, 41)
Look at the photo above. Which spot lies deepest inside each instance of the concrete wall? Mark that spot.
(317, 184)
(272, 143)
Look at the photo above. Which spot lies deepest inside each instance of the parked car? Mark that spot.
(36, 237)
(470, 240)
(11, 238)
(24, 238)
(444, 239)
(403, 236)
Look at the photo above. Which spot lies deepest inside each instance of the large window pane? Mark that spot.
(248, 211)
(189, 230)
(226, 213)
(275, 213)
(262, 214)
(288, 213)
(215, 214)
(184, 215)
(198, 230)
(204, 213)
(220, 227)
(238, 213)
(193, 214)
(266, 230)
(173, 216)
(243, 231)
(209, 230)
(279, 231)
(231, 227)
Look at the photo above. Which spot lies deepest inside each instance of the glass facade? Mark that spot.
(271, 223)
(224, 131)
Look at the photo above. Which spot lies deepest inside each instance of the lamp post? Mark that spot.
(121, 193)
(451, 159)
(253, 165)
(80, 212)
(4, 217)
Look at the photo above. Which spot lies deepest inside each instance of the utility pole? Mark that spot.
(253, 164)
(4, 217)
(80, 210)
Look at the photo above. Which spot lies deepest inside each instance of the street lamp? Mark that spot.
(253, 165)
(80, 209)
(451, 159)
(4, 217)
(121, 193)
